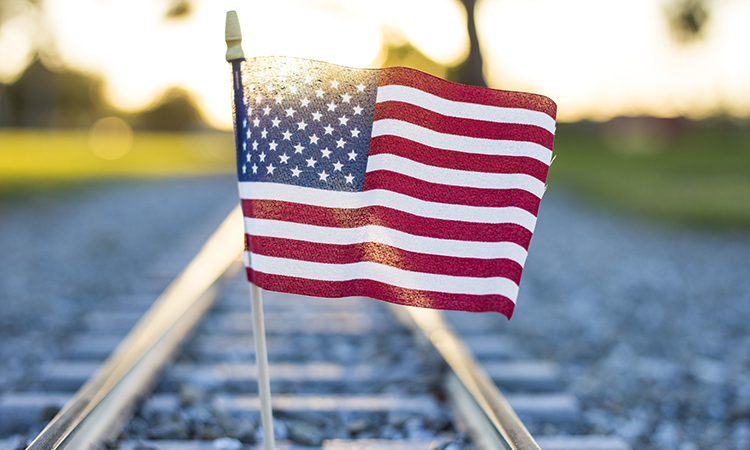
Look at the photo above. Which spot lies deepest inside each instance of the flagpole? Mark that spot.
(235, 55)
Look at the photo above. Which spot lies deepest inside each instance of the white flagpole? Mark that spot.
(261, 358)
(233, 37)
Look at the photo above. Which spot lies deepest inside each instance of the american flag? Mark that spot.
(387, 183)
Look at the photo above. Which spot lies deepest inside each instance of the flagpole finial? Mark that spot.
(233, 36)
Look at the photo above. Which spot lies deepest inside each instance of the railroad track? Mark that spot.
(346, 374)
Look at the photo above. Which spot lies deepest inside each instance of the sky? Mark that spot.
(596, 59)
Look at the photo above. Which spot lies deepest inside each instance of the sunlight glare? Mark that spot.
(16, 46)
(141, 54)
(437, 28)
(602, 59)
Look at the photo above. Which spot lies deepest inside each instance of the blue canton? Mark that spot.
(305, 123)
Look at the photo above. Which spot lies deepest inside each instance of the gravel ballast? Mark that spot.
(650, 322)
(84, 247)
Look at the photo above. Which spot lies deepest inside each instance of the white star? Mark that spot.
(269, 87)
(255, 168)
(266, 110)
(256, 122)
(270, 169)
(258, 98)
(355, 133)
(279, 99)
(290, 112)
(317, 115)
(296, 171)
(262, 156)
(276, 121)
(343, 120)
(244, 169)
(319, 93)
(329, 129)
(361, 87)
(248, 157)
(301, 125)
(298, 148)
(263, 134)
(311, 162)
(332, 106)
(335, 84)
(340, 143)
(325, 152)
(345, 98)
(273, 145)
(349, 179)
(358, 110)
(284, 158)
(244, 123)
(287, 135)
(308, 79)
(352, 155)
(248, 134)
(293, 89)
(323, 176)
(305, 102)
(314, 139)
(244, 145)
(337, 166)
(249, 112)
(255, 145)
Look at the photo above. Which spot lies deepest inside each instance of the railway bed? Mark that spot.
(345, 374)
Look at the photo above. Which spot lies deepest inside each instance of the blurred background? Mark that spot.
(653, 95)
(115, 125)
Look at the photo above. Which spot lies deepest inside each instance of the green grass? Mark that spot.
(53, 156)
(696, 174)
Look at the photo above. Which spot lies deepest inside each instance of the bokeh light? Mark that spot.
(110, 138)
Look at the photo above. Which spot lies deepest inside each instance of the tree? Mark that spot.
(688, 19)
(471, 71)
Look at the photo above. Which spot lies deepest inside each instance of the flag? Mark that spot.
(387, 183)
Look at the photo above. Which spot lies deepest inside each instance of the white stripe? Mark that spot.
(385, 274)
(430, 138)
(388, 199)
(455, 177)
(386, 236)
(464, 110)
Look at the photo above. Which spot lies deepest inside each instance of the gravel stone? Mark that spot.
(226, 443)
(177, 429)
(304, 433)
(81, 248)
(648, 321)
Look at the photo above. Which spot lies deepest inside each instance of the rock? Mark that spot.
(304, 434)
(208, 432)
(169, 430)
(226, 443)
(242, 429)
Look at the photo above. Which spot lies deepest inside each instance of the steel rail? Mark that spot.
(100, 407)
(433, 327)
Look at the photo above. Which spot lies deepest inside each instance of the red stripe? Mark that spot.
(386, 217)
(450, 159)
(405, 76)
(455, 195)
(382, 291)
(463, 127)
(383, 254)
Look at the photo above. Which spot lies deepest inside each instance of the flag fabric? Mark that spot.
(387, 183)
